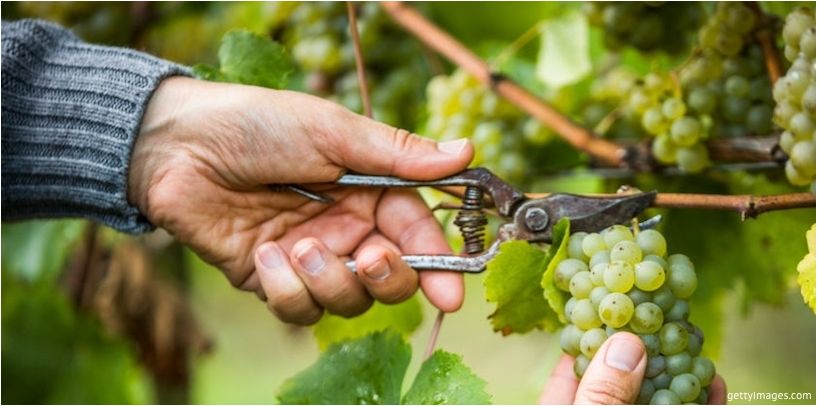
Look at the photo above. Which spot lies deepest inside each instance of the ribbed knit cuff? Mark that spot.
(70, 115)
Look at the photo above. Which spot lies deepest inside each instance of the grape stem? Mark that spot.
(359, 65)
(435, 332)
(440, 41)
(763, 35)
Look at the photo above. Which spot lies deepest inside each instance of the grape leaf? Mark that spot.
(564, 53)
(403, 318)
(248, 58)
(555, 297)
(445, 380)
(369, 370)
(513, 282)
(805, 269)
(35, 250)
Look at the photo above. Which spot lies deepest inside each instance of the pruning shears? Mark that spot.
(525, 218)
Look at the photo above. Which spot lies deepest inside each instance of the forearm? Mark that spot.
(70, 115)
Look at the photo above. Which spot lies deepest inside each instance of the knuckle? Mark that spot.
(605, 393)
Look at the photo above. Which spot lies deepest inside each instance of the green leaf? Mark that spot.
(35, 250)
(513, 282)
(564, 53)
(251, 59)
(445, 380)
(364, 371)
(805, 271)
(403, 318)
(555, 297)
(204, 71)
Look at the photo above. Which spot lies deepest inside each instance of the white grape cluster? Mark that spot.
(624, 282)
(460, 107)
(794, 94)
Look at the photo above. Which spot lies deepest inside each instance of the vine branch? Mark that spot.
(440, 41)
(745, 205)
(763, 35)
(359, 66)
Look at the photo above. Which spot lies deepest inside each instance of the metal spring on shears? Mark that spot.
(471, 220)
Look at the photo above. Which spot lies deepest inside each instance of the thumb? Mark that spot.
(373, 148)
(614, 376)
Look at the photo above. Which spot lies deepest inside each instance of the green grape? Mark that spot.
(601, 257)
(647, 318)
(597, 295)
(574, 246)
(807, 43)
(796, 24)
(678, 312)
(801, 125)
(565, 271)
(808, 100)
(581, 285)
(649, 276)
(702, 100)
(685, 131)
(651, 343)
(673, 108)
(802, 157)
(626, 251)
(692, 159)
(679, 363)
(619, 277)
(593, 243)
(569, 305)
(535, 133)
(614, 234)
(703, 369)
(639, 296)
(665, 397)
(673, 337)
(737, 86)
(616, 310)
(664, 298)
(584, 315)
(795, 177)
(597, 273)
(654, 121)
(652, 242)
(694, 346)
(682, 280)
(679, 259)
(580, 365)
(664, 149)
(686, 386)
(658, 260)
(570, 339)
(759, 119)
(591, 341)
(656, 365)
(645, 392)
(662, 380)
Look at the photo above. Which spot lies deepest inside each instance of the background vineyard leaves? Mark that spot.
(403, 318)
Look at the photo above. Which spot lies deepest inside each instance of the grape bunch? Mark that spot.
(459, 106)
(625, 282)
(318, 35)
(647, 26)
(794, 94)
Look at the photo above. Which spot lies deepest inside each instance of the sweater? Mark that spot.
(71, 112)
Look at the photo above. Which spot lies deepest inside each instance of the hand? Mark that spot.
(612, 378)
(200, 169)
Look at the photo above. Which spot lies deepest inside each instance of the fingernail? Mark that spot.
(453, 147)
(623, 354)
(379, 271)
(271, 256)
(311, 259)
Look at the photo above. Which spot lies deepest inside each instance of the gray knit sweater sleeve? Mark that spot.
(71, 113)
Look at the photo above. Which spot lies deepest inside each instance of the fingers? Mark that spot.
(385, 275)
(286, 294)
(328, 279)
(404, 218)
(561, 386)
(717, 391)
(367, 146)
(614, 376)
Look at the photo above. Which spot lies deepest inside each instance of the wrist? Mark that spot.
(156, 138)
